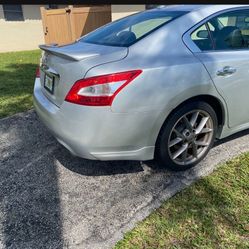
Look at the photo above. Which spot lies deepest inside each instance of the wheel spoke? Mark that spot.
(180, 151)
(184, 155)
(187, 123)
(205, 130)
(194, 118)
(175, 141)
(201, 125)
(179, 134)
(201, 143)
(194, 147)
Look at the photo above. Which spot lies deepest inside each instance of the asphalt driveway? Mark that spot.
(50, 199)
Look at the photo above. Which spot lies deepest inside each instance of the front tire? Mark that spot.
(186, 136)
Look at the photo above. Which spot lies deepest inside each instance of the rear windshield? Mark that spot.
(131, 29)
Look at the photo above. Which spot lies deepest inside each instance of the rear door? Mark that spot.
(223, 48)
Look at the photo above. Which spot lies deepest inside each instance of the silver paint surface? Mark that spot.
(173, 71)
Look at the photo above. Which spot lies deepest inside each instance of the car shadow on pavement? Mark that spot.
(95, 168)
(30, 211)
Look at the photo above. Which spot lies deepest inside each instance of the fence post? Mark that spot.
(44, 24)
(72, 22)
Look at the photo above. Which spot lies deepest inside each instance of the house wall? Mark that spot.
(1, 12)
(28, 34)
(22, 35)
(119, 11)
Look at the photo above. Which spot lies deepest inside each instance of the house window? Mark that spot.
(53, 6)
(13, 12)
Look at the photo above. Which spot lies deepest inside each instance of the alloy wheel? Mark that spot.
(190, 137)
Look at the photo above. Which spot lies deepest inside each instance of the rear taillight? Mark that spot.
(37, 72)
(100, 90)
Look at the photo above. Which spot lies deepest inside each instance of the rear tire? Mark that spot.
(186, 136)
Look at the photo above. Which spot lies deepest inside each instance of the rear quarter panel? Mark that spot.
(171, 74)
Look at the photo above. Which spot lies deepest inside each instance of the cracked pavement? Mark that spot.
(51, 199)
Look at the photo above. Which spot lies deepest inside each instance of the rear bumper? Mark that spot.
(97, 132)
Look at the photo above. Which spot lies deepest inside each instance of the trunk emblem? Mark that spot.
(44, 67)
(45, 58)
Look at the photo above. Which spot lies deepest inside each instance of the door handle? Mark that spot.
(227, 70)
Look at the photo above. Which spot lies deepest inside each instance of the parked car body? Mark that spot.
(162, 84)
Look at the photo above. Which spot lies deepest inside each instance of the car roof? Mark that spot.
(195, 7)
(182, 7)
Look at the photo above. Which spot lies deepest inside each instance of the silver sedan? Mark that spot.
(160, 84)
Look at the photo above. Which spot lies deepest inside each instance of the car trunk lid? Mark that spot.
(67, 64)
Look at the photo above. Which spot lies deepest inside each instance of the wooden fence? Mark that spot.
(64, 26)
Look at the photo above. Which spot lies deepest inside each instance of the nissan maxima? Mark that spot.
(162, 83)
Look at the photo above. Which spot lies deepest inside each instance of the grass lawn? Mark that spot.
(17, 74)
(212, 213)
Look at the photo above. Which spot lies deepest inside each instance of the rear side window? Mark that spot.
(228, 31)
(201, 37)
(131, 29)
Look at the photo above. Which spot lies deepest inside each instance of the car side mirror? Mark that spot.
(202, 34)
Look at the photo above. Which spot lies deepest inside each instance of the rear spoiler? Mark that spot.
(65, 52)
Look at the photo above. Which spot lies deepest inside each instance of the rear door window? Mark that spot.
(228, 31)
(131, 29)
(233, 33)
